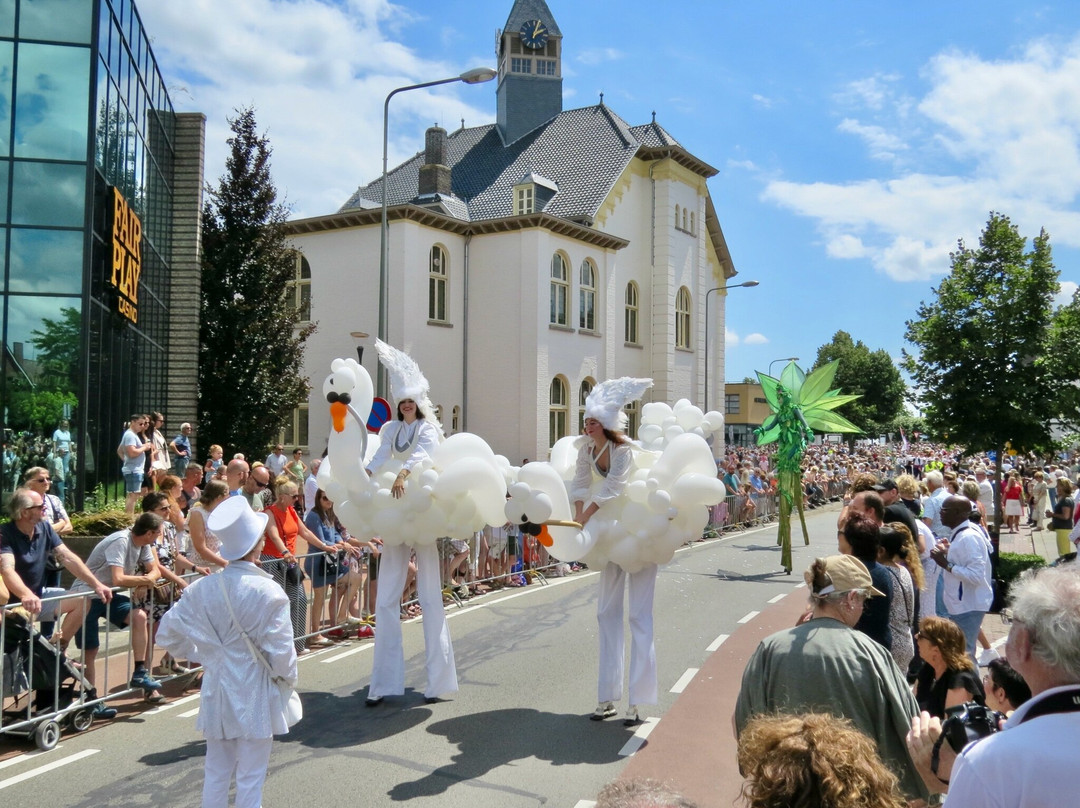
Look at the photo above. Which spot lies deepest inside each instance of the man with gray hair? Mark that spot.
(935, 481)
(1028, 763)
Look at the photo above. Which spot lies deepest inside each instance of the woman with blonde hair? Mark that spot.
(1012, 496)
(1061, 518)
(813, 761)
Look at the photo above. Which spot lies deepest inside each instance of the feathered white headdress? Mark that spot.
(607, 399)
(406, 380)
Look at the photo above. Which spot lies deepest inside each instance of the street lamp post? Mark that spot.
(782, 359)
(745, 284)
(477, 75)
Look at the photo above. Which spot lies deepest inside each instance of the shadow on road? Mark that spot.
(489, 740)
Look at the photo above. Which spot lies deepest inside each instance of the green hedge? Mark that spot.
(1012, 565)
(99, 523)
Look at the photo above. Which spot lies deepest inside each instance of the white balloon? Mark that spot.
(637, 491)
(539, 508)
(655, 412)
(649, 432)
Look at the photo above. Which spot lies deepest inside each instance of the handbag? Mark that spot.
(294, 574)
(331, 565)
(288, 699)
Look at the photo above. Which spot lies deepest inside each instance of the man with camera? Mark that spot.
(1028, 763)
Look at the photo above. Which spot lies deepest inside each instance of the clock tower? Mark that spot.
(529, 52)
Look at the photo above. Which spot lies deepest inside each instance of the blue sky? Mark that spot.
(855, 142)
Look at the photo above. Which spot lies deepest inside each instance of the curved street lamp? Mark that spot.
(744, 284)
(477, 75)
(782, 359)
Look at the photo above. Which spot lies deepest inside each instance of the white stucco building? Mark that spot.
(528, 260)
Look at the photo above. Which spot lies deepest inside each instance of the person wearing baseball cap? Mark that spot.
(824, 665)
(241, 707)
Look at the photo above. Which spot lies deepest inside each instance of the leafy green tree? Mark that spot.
(251, 350)
(872, 376)
(57, 343)
(997, 365)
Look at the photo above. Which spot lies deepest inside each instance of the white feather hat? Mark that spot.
(607, 399)
(406, 379)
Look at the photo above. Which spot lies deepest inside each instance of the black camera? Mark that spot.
(963, 724)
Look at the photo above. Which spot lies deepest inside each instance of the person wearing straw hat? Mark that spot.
(824, 665)
(241, 709)
(604, 463)
(408, 439)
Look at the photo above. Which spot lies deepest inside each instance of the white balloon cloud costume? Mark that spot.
(408, 487)
(645, 501)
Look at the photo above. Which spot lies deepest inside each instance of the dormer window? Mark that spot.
(532, 192)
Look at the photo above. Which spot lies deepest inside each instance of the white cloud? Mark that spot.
(1065, 293)
(731, 339)
(762, 101)
(882, 144)
(1009, 132)
(317, 74)
(748, 165)
(593, 56)
(756, 339)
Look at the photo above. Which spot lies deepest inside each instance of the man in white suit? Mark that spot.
(241, 708)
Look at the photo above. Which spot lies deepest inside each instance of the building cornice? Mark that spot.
(678, 155)
(440, 221)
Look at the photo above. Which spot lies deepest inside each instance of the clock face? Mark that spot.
(534, 34)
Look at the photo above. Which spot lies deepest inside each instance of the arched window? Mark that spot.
(300, 288)
(437, 284)
(560, 290)
(455, 419)
(682, 318)
(693, 226)
(677, 220)
(557, 411)
(633, 417)
(587, 385)
(587, 296)
(630, 324)
(684, 218)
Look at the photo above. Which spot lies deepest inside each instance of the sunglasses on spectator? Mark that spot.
(42, 480)
(261, 485)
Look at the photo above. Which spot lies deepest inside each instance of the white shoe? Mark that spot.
(987, 655)
(631, 718)
(604, 709)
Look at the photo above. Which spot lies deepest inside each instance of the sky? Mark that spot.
(855, 143)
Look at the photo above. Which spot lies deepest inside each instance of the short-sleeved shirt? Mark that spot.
(132, 465)
(931, 694)
(116, 550)
(30, 552)
(182, 442)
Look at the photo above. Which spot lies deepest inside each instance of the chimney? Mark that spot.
(434, 174)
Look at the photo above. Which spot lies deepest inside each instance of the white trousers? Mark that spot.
(388, 666)
(248, 758)
(609, 616)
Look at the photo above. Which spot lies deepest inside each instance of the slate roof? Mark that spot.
(583, 151)
(525, 10)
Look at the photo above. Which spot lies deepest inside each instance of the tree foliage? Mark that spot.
(997, 364)
(251, 350)
(872, 376)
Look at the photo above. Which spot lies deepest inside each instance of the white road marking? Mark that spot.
(48, 767)
(777, 598)
(162, 708)
(800, 586)
(27, 756)
(684, 680)
(748, 617)
(638, 741)
(349, 653)
(585, 804)
(717, 643)
(189, 713)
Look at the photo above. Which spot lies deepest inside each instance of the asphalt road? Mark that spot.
(516, 734)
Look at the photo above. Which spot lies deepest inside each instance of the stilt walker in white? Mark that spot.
(406, 442)
(604, 465)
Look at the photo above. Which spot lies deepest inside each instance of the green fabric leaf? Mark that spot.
(792, 378)
(832, 402)
(769, 436)
(768, 387)
(817, 384)
(825, 421)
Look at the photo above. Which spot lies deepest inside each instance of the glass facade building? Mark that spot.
(88, 208)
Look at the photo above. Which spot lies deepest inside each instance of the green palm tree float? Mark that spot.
(800, 404)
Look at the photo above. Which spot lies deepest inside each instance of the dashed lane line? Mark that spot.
(638, 739)
(27, 756)
(684, 680)
(778, 598)
(189, 713)
(717, 643)
(48, 767)
(344, 654)
(163, 707)
(748, 617)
